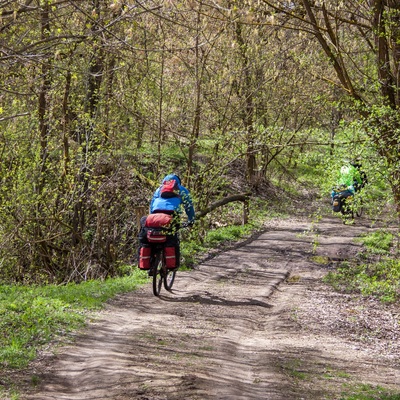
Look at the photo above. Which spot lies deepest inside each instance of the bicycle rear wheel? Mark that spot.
(157, 273)
(169, 278)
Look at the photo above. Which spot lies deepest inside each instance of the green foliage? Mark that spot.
(171, 154)
(226, 234)
(33, 315)
(68, 194)
(314, 163)
(380, 279)
(378, 242)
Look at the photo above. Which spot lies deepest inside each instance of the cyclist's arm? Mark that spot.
(188, 205)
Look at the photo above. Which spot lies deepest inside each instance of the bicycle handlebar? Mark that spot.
(187, 224)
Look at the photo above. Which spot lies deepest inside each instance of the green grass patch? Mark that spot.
(189, 251)
(380, 280)
(378, 242)
(192, 248)
(31, 316)
(367, 392)
(321, 260)
(295, 369)
(227, 234)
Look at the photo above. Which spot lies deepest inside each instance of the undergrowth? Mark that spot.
(377, 278)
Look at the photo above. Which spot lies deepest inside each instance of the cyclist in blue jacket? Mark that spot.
(173, 204)
(170, 198)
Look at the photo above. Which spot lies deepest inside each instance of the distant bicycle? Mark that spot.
(346, 203)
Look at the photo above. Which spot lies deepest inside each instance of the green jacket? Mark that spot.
(349, 175)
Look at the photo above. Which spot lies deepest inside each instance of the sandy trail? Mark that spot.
(229, 330)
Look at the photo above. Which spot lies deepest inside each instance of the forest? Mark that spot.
(99, 99)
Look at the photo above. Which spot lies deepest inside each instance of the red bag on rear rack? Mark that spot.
(158, 220)
(157, 226)
(156, 236)
(144, 257)
(170, 257)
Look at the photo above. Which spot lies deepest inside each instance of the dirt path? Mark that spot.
(241, 326)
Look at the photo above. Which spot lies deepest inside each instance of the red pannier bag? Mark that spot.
(170, 257)
(144, 258)
(156, 236)
(158, 220)
(157, 226)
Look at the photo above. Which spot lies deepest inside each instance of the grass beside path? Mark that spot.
(31, 316)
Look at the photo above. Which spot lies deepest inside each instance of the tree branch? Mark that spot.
(13, 116)
(236, 197)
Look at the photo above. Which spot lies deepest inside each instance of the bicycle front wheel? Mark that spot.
(157, 274)
(169, 278)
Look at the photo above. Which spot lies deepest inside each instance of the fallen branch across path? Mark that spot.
(243, 197)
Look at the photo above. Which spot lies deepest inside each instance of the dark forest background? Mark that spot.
(100, 99)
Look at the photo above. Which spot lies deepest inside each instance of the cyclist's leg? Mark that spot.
(347, 206)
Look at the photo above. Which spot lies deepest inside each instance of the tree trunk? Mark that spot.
(41, 246)
(197, 107)
(88, 140)
(246, 95)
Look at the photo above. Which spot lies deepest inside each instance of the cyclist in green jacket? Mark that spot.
(350, 176)
(349, 179)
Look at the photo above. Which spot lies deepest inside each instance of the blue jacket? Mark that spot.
(184, 199)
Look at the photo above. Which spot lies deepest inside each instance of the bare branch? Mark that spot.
(14, 116)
